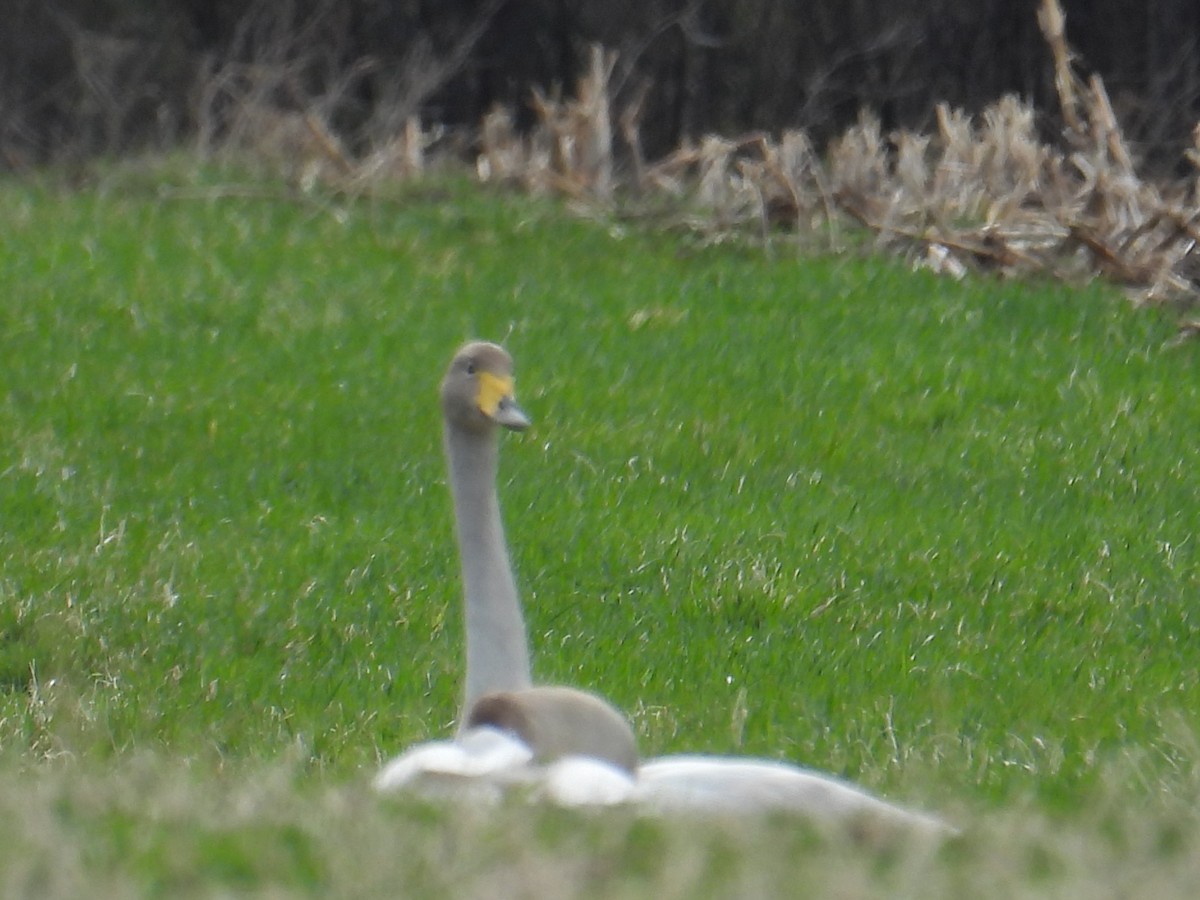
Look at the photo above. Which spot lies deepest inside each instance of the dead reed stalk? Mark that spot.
(981, 192)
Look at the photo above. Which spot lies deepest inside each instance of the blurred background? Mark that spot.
(81, 78)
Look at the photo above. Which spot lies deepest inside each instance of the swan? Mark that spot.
(569, 746)
(564, 743)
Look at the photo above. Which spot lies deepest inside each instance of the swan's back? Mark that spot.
(716, 784)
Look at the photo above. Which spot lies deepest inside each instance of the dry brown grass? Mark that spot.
(979, 193)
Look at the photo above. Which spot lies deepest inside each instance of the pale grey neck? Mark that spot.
(497, 652)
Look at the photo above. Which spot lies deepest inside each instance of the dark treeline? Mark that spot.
(80, 77)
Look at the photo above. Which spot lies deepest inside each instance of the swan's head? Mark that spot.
(477, 392)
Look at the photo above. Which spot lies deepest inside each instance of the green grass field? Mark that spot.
(936, 537)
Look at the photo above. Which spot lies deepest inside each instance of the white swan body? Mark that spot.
(737, 785)
(485, 764)
(744, 785)
(475, 753)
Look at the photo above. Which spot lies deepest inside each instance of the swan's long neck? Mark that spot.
(497, 652)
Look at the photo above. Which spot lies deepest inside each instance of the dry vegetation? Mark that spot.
(988, 194)
(980, 193)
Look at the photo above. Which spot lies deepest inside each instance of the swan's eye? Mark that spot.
(470, 367)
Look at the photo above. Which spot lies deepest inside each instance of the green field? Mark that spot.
(934, 536)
